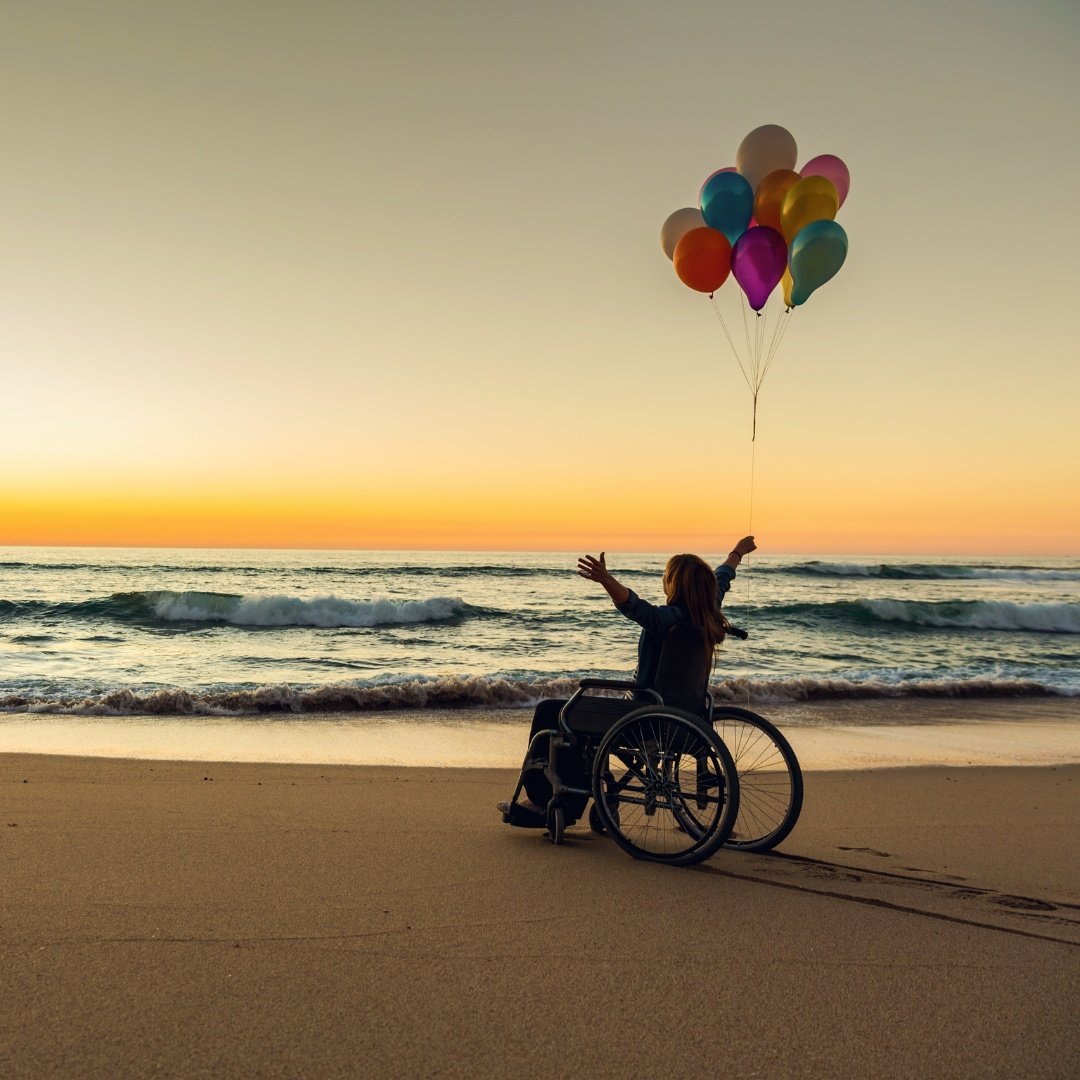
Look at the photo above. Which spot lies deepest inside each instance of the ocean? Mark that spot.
(114, 632)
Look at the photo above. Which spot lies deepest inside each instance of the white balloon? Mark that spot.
(765, 150)
(677, 226)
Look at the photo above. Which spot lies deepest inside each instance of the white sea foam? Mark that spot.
(474, 691)
(321, 611)
(812, 688)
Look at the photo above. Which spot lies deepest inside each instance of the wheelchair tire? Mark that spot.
(556, 824)
(596, 822)
(770, 779)
(665, 786)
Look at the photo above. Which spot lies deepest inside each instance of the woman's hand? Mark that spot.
(593, 569)
(743, 547)
(596, 570)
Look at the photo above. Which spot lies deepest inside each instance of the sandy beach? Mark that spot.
(260, 919)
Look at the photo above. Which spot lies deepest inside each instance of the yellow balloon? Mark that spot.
(769, 197)
(813, 198)
(787, 283)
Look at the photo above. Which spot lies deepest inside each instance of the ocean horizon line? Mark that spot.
(819, 553)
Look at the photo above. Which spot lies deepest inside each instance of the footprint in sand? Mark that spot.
(944, 877)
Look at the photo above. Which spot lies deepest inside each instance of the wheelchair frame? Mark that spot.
(665, 741)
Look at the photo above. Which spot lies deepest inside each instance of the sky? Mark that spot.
(389, 276)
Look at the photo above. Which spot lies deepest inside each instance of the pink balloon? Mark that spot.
(730, 168)
(758, 262)
(832, 168)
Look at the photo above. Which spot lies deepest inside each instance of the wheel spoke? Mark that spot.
(664, 791)
(770, 782)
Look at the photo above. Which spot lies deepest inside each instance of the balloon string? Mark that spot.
(731, 342)
(783, 324)
(776, 330)
(749, 348)
(758, 343)
(750, 532)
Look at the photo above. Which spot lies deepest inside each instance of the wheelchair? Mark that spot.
(671, 778)
(663, 785)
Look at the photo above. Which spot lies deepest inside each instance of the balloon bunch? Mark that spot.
(766, 225)
(763, 222)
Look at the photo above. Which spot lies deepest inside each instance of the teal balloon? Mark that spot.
(817, 253)
(727, 204)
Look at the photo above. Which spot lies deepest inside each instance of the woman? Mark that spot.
(694, 594)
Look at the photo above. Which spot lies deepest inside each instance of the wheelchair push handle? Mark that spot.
(736, 631)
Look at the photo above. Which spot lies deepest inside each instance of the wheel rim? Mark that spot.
(769, 793)
(662, 786)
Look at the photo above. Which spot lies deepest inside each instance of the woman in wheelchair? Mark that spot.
(694, 593)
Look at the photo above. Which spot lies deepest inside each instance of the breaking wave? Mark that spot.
(794, 690)
(254, 611)
(995, 615)
(448, 692)
(463, 692)
(931, 571)
(979, 615)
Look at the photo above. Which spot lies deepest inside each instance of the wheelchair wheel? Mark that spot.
(595, 821)
(770, 780)
(665, 787)
(556, 824)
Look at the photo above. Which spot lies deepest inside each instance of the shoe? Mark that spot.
(522, 816)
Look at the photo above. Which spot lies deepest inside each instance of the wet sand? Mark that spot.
(872, 733)
(185, 919)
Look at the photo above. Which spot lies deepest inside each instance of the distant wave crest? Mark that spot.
(979, 615)
(931, 571)
(321, 611)
(170, 607)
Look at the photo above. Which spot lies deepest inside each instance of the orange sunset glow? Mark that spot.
(370, 289)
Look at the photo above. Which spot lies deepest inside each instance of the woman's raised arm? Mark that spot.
(596, 570)
(743, 547)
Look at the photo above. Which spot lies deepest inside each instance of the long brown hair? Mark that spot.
(690, 583)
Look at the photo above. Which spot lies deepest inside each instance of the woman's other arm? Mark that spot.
(596, 570)
(725, 572)
(656, 619)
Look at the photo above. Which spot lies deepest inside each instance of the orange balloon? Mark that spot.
(703, 259)
(769, 197)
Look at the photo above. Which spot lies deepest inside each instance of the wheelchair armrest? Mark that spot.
(607, 684)
(602, 684)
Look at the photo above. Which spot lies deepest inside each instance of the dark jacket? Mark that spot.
(656, 621)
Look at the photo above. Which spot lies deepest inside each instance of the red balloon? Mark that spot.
(703, 259)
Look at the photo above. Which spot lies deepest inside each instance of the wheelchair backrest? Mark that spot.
(682, 676)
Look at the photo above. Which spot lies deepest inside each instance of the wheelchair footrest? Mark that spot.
(523, 817)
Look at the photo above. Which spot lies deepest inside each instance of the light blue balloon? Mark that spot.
(727, 204)
(817, 253)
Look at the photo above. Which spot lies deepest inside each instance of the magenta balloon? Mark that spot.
(730, 168)
(758, 262)
(832, 168)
